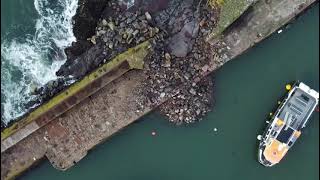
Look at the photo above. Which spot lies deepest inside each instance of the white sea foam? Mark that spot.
(34, 60)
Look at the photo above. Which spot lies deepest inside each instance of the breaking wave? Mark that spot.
(32, 61)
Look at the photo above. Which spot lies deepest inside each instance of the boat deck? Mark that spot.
(296, 110)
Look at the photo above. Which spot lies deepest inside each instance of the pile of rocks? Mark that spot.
(191, 104)
(115, 33)
(123, 30)
(171, 74)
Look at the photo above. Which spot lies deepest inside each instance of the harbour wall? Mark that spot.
(66, 139)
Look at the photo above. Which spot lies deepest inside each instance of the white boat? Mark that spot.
(286, 124)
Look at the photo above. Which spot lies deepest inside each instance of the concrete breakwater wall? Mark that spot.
(66, 140)
(131, 59)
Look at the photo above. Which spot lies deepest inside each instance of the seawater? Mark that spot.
(34, 34)
(246, 90)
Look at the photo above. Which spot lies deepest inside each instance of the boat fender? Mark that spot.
(259, 137)
(288, 87)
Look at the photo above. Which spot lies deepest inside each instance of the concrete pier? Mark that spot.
(74, 95)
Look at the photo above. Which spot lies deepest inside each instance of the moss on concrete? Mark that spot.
(134, 56)
(214, 3)
(230, 10)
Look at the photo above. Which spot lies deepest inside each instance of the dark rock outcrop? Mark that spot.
(84, 25)
(84, 63)
(76, 49)
(114, 34)
(86, 18)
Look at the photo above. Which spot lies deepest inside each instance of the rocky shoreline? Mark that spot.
(177, 30)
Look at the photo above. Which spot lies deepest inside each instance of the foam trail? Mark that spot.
(34, 60)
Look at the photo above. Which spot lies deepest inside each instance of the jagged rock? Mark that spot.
(192, 91)
(205, 68)
(86, 18)
(181, 43)
(167, 56)
(110, 46)
(148, 16)
(76, 49)
(93, 40)
(135, 32)
(104, 22)
(111, 25)
(83, 64)
(101, 32)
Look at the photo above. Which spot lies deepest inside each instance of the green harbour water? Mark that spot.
(246, 91)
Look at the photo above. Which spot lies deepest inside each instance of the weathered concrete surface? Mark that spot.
(131, 59)
(259, 22)
(67, 139)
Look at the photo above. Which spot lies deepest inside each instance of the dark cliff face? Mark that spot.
(84, 63)
(114, 31)
(86, 18)
(84, 24)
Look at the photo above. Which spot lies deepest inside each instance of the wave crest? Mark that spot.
(33, 61)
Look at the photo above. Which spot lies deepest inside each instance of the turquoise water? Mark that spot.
(34, 34)
(247, 89)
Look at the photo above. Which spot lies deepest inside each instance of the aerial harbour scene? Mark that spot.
(160, 89)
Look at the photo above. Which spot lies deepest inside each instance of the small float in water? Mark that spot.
(286, 124)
